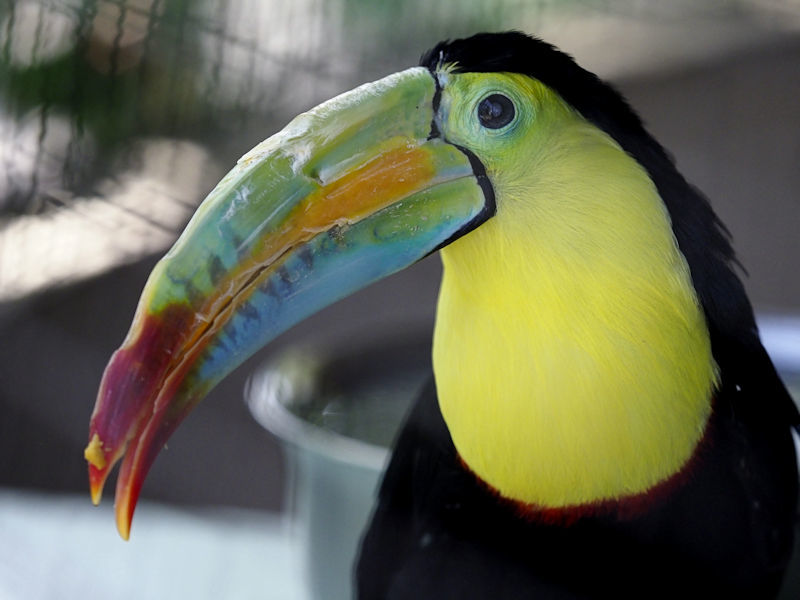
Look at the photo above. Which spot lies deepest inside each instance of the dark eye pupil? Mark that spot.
(495, 111)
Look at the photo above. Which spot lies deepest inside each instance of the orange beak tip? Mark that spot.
(124, 516)
(124, 531)
(97, 480)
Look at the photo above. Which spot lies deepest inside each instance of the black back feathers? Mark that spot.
(701, 237)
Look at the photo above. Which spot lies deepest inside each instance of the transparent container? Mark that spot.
(337, 413)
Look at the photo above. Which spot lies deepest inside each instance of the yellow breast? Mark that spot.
(572, 359)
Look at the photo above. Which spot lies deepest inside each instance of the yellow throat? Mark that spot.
(572, 359)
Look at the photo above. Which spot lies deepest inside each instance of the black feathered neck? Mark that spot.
(701, 236)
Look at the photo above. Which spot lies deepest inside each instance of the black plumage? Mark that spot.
(724, 532)
(723, 529)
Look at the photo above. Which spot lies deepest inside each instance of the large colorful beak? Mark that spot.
(349, 192)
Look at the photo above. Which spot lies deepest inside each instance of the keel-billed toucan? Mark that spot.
(602, 420)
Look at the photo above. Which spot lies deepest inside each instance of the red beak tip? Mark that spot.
(96, 492)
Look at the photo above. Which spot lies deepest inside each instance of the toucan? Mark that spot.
(602, 419)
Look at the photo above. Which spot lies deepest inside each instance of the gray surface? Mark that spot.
(734, 129)
(52, 548)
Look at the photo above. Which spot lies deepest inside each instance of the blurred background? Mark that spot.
(116, 119)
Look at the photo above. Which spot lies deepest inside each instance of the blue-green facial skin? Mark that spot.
(253, 203)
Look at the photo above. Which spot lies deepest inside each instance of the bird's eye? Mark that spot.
(496, 111)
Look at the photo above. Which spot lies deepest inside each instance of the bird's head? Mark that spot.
(466, 151)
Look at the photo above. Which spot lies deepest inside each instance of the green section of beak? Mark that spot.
(346, 194)
(312, 152)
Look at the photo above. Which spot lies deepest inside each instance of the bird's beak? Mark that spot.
(349, 192)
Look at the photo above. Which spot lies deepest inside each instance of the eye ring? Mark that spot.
(496, 111)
